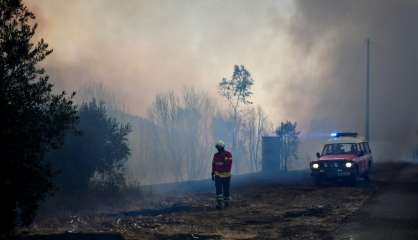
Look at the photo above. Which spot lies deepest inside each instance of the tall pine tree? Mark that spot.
(32, 118)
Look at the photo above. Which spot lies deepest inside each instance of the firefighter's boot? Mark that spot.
(226, 201)
(219, 202)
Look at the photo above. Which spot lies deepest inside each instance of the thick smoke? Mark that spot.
(307, 57)
(139, 49)
(342, 27)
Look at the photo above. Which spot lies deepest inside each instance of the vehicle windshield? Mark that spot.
(339, 148)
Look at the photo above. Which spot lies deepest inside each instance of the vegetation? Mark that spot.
(180, 141)
(33, 118)
(237, 92)
(176, 142)
(98, 152)
(289, 138)
(41, 147)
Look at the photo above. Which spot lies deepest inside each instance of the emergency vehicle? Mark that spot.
(344, 156)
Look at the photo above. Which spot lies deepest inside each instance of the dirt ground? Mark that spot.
(389, 214)
(282, 207)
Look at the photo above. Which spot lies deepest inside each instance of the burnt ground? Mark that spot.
(288, 206)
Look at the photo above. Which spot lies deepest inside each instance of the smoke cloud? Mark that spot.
(140, 48)
(343, 26)
(307, 57)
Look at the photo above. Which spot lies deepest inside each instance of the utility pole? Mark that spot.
(367, 127)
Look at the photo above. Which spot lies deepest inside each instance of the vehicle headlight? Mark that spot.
(315, 165)
(348, 164)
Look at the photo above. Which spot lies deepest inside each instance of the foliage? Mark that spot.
(255, 126)
(289, 138)
(100, 150)
(237, 90)
(176, 142)
(179, 140)
(33, 118)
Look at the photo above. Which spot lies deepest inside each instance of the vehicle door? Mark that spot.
(369, 158)
(362, 164)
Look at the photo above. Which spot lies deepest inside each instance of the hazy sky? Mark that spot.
(140, 48)
(307, 56)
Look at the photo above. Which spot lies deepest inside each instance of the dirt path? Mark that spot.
(285, 207)
(391, 214)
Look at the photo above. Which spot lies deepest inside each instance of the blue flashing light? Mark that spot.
(343, 134)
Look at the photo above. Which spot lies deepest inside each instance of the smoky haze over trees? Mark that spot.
(309, 65)
(176, 142)
(308, 56)
(289, 142)
(237, 92)
(182, 133)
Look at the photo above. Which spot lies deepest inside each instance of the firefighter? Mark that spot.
(221, 174)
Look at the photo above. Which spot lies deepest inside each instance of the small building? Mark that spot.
(270, 152)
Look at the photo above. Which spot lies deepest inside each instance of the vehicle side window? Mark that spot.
(355, 148)
(360, 147)
(366, 145)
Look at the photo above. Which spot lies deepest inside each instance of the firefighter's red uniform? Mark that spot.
(221, 169)
(222, 163)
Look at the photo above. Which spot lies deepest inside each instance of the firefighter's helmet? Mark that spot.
(220, 144)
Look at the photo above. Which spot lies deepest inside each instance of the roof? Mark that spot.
(357, 139)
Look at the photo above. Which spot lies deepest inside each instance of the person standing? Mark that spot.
(221, 174)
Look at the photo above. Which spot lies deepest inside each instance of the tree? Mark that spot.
(33, 119)
(261, 128)
(289, 138)
(254, 126)
(182, 125)
(100, 149)
(237, 92)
